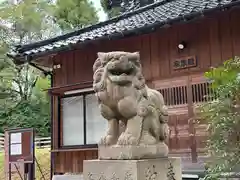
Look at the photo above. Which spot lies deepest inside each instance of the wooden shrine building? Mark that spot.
(178, 40)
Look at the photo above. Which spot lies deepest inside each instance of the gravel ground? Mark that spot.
(187, 164)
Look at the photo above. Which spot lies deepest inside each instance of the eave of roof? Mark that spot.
(20, 53)
(26, 47)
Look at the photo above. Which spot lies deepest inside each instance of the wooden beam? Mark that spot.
(60, 90)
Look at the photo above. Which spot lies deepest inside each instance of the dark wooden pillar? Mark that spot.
(191, 121)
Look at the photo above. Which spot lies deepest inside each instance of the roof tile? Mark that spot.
(160, 12)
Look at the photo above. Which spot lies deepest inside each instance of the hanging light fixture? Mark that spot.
(182, 45)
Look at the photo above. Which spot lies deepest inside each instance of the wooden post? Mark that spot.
(31, 166)
(192, 133)
(7, 165)
(31, 171)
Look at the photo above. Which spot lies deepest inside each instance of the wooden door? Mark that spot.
(182, 95)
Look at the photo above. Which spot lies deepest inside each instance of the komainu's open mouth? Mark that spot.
(121, 76)
(119, 71)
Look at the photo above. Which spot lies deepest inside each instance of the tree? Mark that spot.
(27, 20)
(25, 24)
(109, 10)
(223, 117)
(117, 7)
(22, 22)
(73, 14)
(34, 112)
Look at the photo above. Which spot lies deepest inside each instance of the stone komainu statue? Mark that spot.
(136, 114)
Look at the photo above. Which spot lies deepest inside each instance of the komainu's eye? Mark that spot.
(104, 63)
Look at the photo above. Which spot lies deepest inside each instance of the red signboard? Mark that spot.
(21, 145)
(19, 153)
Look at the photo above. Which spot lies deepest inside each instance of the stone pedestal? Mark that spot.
(145, 169)
(159, 150)
(67, 177)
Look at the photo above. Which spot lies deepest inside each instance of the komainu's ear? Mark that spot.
(97, 64)
(101, 55)
(137, 55)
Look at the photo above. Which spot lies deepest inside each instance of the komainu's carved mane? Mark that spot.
(100, 69)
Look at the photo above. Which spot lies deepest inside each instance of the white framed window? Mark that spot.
(72, 121)
(96, 125)
(81, 121)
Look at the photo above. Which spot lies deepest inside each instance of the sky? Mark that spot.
(101, 14)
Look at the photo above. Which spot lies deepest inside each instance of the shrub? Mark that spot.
(223, 117)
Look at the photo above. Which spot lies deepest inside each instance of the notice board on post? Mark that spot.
(21, 145)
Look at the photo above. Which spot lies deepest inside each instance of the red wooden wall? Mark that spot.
(212, 39)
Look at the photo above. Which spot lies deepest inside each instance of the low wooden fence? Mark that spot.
(44, 142)
(1, 141)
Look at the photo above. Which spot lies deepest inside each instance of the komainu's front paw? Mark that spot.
(143, 111)
(164, 133)
(127, 139)
(108, 140)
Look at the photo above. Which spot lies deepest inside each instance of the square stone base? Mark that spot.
(146, 169)
(67, 177)
(133, 152)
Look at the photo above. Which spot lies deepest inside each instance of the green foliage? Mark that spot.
(115, 11)
(23, 102)
(75, 14)
(27, 115)
(123, 6)
(223, 117)
(28, 19)
(32, 112)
